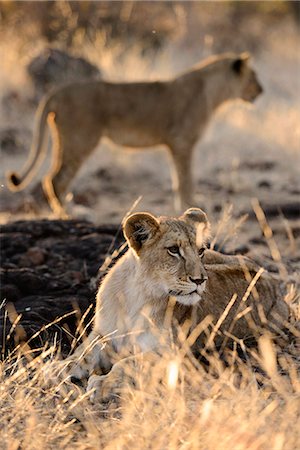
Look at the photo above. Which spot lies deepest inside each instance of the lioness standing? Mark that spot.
(144, 114)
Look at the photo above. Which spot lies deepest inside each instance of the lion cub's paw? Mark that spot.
(56, 372)
(77, 373)
(99, 388)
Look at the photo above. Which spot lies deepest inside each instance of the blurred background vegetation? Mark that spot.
(151, 23)
(44, 43)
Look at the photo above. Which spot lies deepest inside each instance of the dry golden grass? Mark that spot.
(175, 404)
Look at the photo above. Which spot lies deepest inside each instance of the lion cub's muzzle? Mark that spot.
(194, 295)
(201, 286)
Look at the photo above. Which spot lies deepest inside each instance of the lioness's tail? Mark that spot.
(17, 182)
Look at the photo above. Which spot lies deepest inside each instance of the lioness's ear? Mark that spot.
(198, 218)
(239, 63)
(139, 228)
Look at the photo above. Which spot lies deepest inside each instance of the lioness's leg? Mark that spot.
(182, 179)
(68, 156)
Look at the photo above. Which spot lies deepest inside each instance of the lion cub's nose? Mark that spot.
(198, 281)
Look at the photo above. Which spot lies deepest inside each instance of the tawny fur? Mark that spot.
(173, 113)
(162, 265)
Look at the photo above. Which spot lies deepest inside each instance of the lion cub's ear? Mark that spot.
(240, 62)
(139, 228)
(198, 218)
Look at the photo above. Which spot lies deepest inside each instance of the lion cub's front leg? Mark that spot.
(124, 374)
(91, 356)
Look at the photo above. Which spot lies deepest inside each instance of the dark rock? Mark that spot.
(263, 166)
(25, 279)
(10, 293)
(53, 67)
(36, 255)
(104, 174)
(265, 184)
(8, 139)
(46, 272)
(13, 140)
(289, 210)
(217, 208)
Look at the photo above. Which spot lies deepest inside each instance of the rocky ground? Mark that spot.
(50, 273)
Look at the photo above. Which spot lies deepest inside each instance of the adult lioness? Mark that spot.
(167, 258)
(144, 114)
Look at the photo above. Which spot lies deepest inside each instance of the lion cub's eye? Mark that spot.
(201, 251)
(174, 250)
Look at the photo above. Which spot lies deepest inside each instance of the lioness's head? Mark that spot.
(247, 84)
(169, 252)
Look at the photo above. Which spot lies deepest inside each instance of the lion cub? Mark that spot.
(174, 113)
(167, 261)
